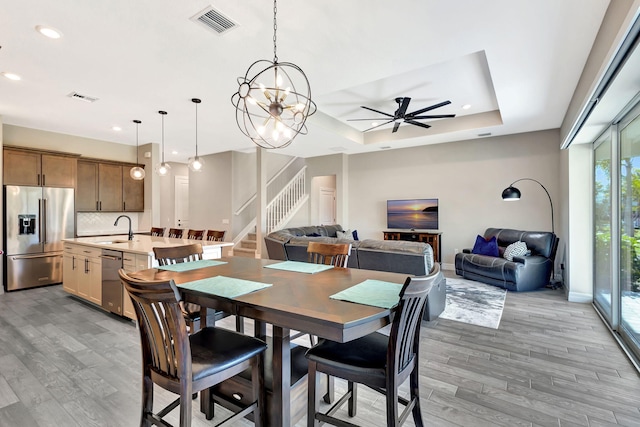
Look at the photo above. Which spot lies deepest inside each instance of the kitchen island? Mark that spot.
(90, 267)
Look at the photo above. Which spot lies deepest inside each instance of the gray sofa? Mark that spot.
(414, 258)
(524, 273)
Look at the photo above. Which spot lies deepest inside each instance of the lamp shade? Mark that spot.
(511, 194)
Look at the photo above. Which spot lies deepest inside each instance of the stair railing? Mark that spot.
(286, 201)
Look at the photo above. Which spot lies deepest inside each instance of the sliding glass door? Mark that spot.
(630, 230)
(603, 283)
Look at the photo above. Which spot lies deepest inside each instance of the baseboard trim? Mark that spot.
(580, 297)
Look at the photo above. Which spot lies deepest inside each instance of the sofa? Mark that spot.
(526, 272)
(413, 258)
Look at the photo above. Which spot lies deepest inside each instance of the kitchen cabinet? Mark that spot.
(130, 263)
(36, 168)
(82, 272)
(107, 187)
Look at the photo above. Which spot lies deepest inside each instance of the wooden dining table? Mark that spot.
(295, 300)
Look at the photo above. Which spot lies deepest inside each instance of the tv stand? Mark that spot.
(433, 238)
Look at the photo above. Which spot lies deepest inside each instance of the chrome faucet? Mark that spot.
(125, 216)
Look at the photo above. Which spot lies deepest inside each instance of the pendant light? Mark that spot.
(273, 104)
(196, 163)
(137, 172)
(163, 167)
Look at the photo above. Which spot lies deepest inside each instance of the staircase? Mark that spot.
(246, 247)
(278, 212)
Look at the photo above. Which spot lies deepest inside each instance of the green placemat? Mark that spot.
(372, 292)
(227, 287)
(193, 265)
(300, 267)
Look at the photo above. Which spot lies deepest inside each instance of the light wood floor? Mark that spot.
(550, 363)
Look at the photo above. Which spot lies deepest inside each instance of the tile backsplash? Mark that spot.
(96, 223)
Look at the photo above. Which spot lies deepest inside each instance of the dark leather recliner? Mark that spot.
(524, 273)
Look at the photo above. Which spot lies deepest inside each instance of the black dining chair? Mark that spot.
(378, 361)
(186, 364)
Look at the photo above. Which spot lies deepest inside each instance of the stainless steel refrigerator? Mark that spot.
(36, 219)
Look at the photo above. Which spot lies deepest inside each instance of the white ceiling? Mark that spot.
(515, 63)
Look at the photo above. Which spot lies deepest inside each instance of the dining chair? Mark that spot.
(336, 254)
(176, 233)
(215, 235)
(376, 360)
(186, 364)
(157, 231)
(195, 234)
(195, 316)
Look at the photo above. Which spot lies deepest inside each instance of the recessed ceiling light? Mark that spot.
(174, 152)
(116, 128)
(466, 106)
(52, 33)
(11, 76)
(373, 124)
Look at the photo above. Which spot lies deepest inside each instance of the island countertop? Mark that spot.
(143, 244)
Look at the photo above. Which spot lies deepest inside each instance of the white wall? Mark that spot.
(210, 194)
(167, 194)
(467, 177)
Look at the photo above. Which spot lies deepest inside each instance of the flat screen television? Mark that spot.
(412, 214)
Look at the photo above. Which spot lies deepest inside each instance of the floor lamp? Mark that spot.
(511, 193)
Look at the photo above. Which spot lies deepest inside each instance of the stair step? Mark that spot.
(248, 244)
(251, 236)
(245, 252)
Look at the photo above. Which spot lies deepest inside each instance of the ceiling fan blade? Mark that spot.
(436, 116)
(395, 127)
(377, 126)
(371, 120)
(422, 125)
(433, 107)
(376, 111)
(403, 108)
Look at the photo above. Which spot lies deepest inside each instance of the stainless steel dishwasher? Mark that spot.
(111, 285)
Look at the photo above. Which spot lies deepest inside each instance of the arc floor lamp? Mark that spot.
(511, 193)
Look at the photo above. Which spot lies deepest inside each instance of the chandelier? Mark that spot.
(273, 100)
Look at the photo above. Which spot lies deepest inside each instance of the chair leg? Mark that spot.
(392, 405)
(353, 400)
(257, 380)
(147, 401)
(415, 396)
(312, 395)
(206, 404)
(185, 404)
(240, 324)
(328, 398)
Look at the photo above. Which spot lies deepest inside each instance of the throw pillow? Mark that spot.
(515, 249)
(346, 234)
(485, 247)
(355, 235)
(313, 235)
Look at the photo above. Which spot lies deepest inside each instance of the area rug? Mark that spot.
(474, 303)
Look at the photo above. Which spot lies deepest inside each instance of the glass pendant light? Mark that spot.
(163, 167)
(137, 172)
(196, 163)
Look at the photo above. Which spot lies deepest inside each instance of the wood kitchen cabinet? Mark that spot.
(130, 263)
(37, 168)
(107, 187)
(82, 272)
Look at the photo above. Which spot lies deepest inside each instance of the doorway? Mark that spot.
(182, 201)
(327, 206)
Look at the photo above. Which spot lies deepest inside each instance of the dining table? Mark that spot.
(288, 296)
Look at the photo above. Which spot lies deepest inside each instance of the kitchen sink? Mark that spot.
(111, 242)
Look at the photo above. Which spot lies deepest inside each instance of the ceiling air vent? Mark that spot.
(81, 97)
(214, 21)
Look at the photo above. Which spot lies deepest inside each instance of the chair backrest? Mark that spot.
(195, 234)
(157, 231)
(176, 233)
(404, 339)
(163, 331)
(178, 254)
(216, 235)
(336, 254)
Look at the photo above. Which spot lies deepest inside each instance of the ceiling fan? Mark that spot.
(401, 115)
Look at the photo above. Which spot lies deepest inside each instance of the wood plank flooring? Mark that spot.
(550, 363)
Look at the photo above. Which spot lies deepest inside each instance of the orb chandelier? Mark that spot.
(196, 163)
(137, 172)
(273, 100)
